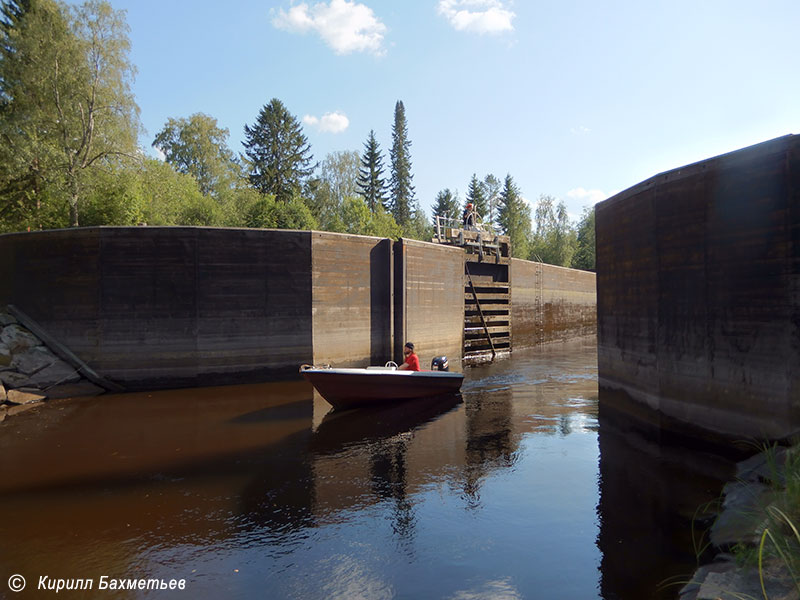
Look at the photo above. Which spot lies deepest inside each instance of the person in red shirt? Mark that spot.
(412, 360)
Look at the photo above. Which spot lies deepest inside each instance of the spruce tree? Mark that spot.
(400, 188)
(371, 184)
(279, 152)
(446, 205)
(476, 195)
(514, 218)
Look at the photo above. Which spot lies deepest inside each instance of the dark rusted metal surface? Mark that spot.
(697, 291)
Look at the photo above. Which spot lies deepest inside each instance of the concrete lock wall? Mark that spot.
(352, 299)
(429, 300)
(697, 291)
(550, 303)
(157, 307)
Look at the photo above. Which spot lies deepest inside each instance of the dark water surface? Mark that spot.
(518, 489)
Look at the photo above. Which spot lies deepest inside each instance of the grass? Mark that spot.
(780, 540)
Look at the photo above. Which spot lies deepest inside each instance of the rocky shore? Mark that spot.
(30, 373)
(750, 505)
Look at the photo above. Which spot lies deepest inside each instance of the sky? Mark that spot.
(576, 99)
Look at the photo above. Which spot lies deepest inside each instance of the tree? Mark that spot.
(279, 152)
(477, 196)
(198, 147)
(584, 257)
(446, 204)
(418, 226)
(401, 191)
(554, 238)
(491, 190)
(514, 218)
(271, 213)
(337, 182)
(371, 184)
(67, 104)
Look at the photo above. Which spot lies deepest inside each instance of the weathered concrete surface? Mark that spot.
(154, 307)
(429, 300)
(550, 303)
(697, 291)
(352, 299)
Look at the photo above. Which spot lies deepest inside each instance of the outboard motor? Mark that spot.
(440, 364)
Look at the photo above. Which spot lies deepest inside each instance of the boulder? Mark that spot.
(17, 338)
(3, 394)
(20, 408)
(3, 413)
(32, 360)
(7, 319)
(19, 397)
(5, 355)
(12, 379)
(742, 518)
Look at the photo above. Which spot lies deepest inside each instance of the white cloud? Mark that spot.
(587, 196)
(332, 122)
(477, 16)
(344, 25)
(580, 130)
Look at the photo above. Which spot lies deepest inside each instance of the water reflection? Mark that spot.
(651, 486)
(260, 490)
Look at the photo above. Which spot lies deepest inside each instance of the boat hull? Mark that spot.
(350, 388)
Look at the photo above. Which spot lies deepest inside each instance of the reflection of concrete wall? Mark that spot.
(697, 290)
(550, 303)
(429, 299)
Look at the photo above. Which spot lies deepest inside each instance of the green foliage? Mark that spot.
(514, 218)
(554, 240)
(336, 182)
(357, 218)
(67, 105)
(401, 191)
(491, 190)
(446, 204)
(371, 184)
(476, 194)
(270, 213)
(584, 257)
(418, 227)
(279, 152)
(198, 147)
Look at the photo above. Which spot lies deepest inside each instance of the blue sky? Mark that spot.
(575, 99)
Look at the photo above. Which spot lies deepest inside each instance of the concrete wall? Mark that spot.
(429, 293)
(168, 307)
(697, 291)
(352, 299)
(550, 304)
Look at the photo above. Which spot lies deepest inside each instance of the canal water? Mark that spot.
(518, 488)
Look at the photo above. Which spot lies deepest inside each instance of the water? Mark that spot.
(518, 489)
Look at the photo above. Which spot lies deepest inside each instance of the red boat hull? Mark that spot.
(349, 388)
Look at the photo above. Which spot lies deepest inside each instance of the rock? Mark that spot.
(18, 397)
(745, 583)
(742, 518)
(58, 372)
(3, 393)
(12, 379)
(7, 319)
(74, 390)
(32, 360)
(3, 413)
(762, 468)
(5, 356)
(17, 338)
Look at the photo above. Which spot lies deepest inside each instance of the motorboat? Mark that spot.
(377, 386)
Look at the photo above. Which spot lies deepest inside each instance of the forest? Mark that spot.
(71, 155)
